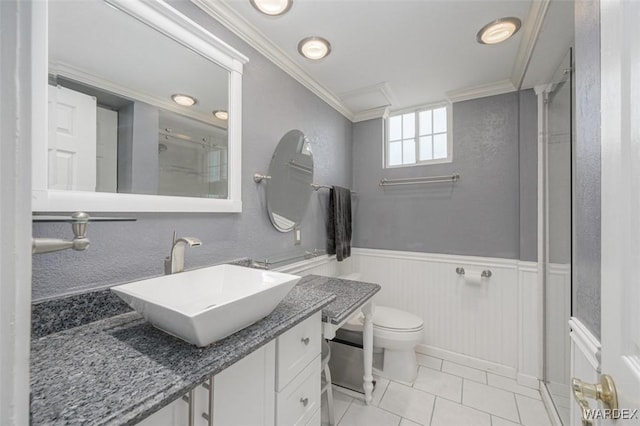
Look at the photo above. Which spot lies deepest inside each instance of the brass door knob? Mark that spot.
(604, 391)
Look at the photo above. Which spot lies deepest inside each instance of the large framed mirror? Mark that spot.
(143, 110)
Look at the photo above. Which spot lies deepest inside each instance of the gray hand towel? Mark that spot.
(339, 226)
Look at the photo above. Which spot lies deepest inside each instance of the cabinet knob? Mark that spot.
(305, 340)
(304, 401)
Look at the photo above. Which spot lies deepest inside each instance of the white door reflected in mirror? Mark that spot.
(72, 140)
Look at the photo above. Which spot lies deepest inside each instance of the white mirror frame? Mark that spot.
(165, 19)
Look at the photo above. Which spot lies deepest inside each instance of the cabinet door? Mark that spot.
(243, 393)
(174, 414)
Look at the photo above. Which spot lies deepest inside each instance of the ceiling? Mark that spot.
(400, 53)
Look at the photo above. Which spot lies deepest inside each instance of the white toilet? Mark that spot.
(397, 333)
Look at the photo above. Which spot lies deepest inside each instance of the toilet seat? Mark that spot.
(387, 319)
(391, 319)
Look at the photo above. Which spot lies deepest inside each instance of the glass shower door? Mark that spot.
(558, 215)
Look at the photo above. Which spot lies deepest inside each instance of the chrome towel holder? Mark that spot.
(420, 180)
(484, 274)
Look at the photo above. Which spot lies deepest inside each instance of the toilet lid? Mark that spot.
(387, 318)
(395, 319)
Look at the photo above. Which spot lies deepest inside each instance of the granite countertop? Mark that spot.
(93, 361)
(350, 295)
(121, 369)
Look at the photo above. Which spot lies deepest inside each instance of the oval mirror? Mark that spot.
(289, 189)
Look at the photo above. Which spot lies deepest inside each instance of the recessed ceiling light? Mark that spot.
(498, 31)
(221, 114)
(184, 100)
(314, 48)
(272, 7)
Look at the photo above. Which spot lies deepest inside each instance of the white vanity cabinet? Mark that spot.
(298, 373)
(243, 393)
(278, 384)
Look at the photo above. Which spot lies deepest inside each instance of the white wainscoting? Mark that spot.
(530, 335)
(491, 323)
(494, 324)
(558, 300)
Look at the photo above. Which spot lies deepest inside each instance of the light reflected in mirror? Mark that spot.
(113, 126)
(289, 188)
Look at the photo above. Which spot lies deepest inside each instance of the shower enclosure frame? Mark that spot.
(543, 93)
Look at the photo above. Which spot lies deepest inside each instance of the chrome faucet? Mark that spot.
(175, 261)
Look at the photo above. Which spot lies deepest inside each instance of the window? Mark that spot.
(418, 137)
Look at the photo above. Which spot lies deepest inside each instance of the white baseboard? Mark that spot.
(469, 361)
(528, 381)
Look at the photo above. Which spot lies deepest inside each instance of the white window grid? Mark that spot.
(417, 134)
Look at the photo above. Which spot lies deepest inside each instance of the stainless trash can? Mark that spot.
(346, 363)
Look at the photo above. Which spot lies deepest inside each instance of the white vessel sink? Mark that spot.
(206, 305)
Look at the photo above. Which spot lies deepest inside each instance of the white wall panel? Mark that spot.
(558, 300)
(492, 323)
(466, 315)
(529, 324)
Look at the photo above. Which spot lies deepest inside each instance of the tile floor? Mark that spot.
(444, 393)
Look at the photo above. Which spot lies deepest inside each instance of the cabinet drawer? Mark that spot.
(316, 419)
(300, 399)
(296, 348)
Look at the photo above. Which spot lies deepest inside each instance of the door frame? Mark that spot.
(15, 209)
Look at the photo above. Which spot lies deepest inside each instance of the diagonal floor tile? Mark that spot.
(447, 413)
(465, 372)
(359, 414)
(439, 383)
(405, 422)
(409, 403)
(532, 411)
(429, 361)
(491, 400)
(341, 403)
(512, 386)
(498, 421)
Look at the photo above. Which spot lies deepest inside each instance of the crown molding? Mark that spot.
(256, 39)
(481, 91)
(370, 114)
(530, 32)
(368, 102)
(383, 89)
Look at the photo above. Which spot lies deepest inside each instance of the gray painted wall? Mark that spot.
(481, 214)
(528, 161)
(138, 149)
(273, 103)
(586, 289)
